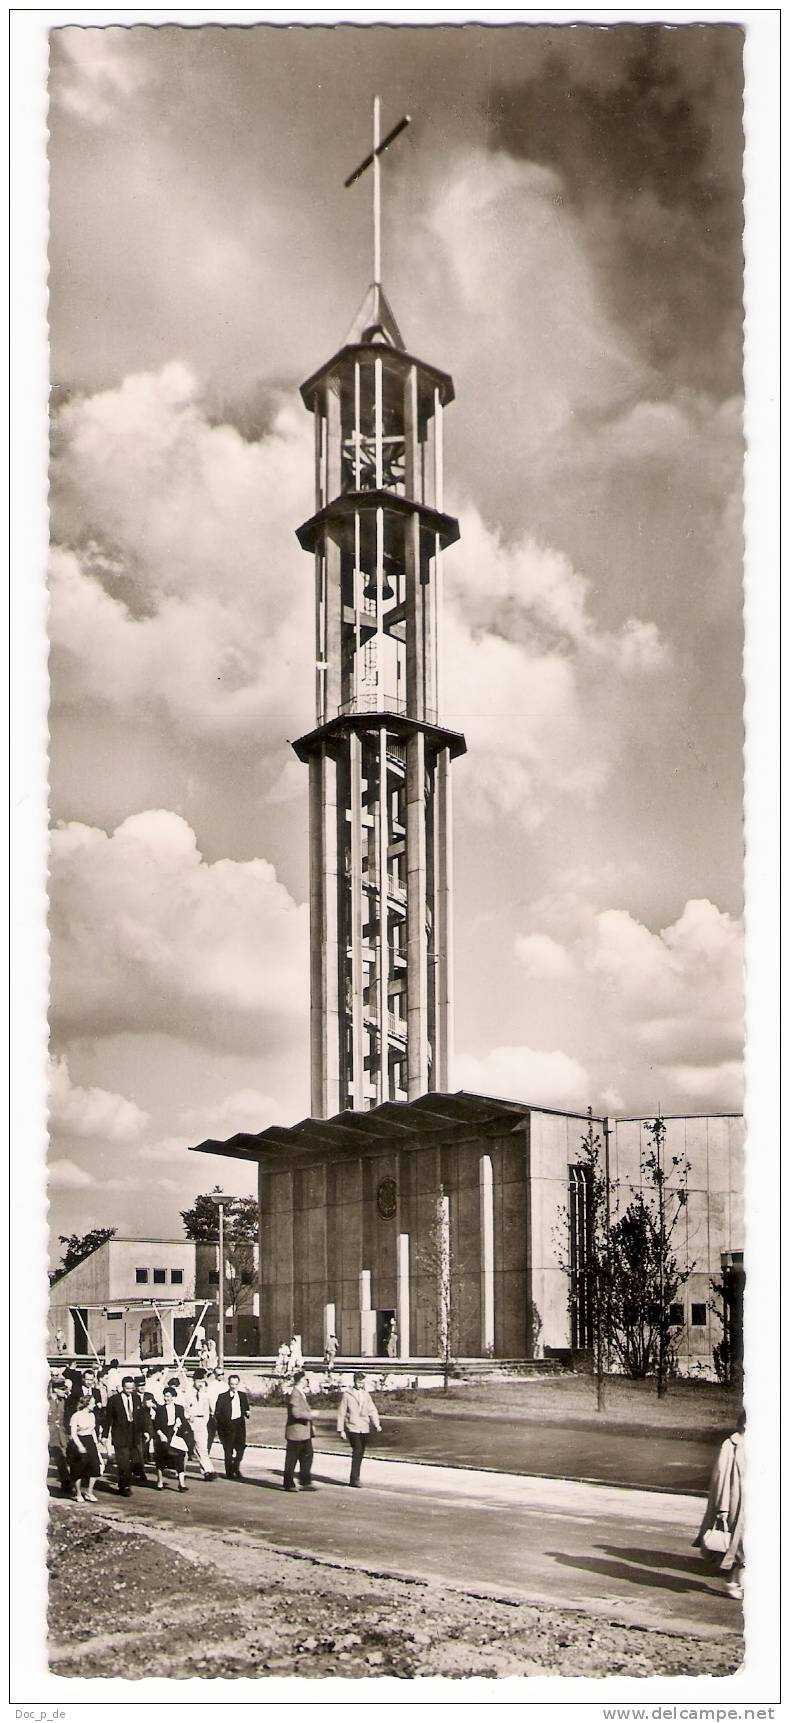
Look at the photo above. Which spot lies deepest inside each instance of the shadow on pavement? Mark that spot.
(641, 1576)
(690, 1563)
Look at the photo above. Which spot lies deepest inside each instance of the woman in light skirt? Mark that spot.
(83, 1450)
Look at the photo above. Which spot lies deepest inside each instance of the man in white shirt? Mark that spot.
(198, 1409)
(355, 1414)
(231, 1412)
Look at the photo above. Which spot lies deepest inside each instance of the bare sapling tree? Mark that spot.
(582, 1242)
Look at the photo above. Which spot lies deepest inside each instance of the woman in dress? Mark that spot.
(724, 1509)
(82, 1449)
(172, 1439)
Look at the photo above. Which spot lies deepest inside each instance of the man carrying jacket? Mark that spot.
(355, 1414)
(298, 1435)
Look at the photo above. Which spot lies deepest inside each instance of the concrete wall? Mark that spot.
(712, 1221)
(88, 1283)
(321, 1230)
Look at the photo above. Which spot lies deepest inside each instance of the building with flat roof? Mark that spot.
(132, 1296)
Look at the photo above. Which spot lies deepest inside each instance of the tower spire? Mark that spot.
(379, 756)
(374, 160)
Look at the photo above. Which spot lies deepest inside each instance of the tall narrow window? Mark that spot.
(580, 1215)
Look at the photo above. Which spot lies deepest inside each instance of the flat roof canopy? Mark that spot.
(393, 1122)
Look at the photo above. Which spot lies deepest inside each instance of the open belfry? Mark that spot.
(379, 759)
(405, 1218)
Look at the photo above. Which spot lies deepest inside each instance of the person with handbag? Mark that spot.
(172, 1436)
(355, 1415)
(720, 1535)
(298, 1435)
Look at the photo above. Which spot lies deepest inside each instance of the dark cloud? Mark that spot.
(644, 126)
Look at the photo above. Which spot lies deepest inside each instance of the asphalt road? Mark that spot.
(622, 1554)
(656, 1460)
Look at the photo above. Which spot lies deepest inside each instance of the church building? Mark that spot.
(395, 1185)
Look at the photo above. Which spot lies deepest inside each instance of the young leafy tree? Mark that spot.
(201, 1223)
(645, 1274)
(79, 1246)
(589, 1280)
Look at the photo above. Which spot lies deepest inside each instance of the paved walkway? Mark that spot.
(604, 1453)
(619, 1553)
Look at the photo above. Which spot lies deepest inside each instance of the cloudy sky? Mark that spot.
(562, 232)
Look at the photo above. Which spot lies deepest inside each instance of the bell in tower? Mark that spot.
(379, 759)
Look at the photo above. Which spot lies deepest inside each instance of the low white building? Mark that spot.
(123, 1300)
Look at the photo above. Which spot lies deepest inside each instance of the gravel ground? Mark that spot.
(198, 1602)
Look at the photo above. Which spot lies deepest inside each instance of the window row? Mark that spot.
(158, 1276)
(699, 1315)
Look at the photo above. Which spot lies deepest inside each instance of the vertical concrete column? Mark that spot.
(367, 1317)
(442, 864)
(357, 966)
(416, 935)
(357, 425)
(378, 420)
(264, 1314)
(382, 1084)
(486, 1254)
(411, 429)
(324, 953)
(415, 628)
(445, 1290)
(435, 670)
(333, 433)
(329, 1321)
(380, 608)
(317, 1050)
(403, 1296)
(438, 450)
(318, 422)
(333, 626)
(320, 635)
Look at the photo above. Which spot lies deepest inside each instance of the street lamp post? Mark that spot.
(222, 1201)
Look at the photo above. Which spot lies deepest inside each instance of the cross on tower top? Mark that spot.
(373, 160)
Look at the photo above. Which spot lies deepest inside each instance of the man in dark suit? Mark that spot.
(126, 1424)
(81, 1382)
(231, 1412)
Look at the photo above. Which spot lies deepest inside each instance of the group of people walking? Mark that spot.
(160, 1419)
(163, 1419)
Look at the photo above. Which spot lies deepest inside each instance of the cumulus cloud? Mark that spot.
(147, 936)
(718, 1086)
(91, 1113)
(68, 1176)
(681, 988)
(668, 1002)
(194, 611)
(537, 684)
(544, 958)
(96, 72)
(550, 1079)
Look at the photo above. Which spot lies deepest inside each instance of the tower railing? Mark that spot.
(374, 701)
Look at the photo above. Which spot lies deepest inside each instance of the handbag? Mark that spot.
(716, 1540)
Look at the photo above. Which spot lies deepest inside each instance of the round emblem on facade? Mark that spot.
(387, 1198)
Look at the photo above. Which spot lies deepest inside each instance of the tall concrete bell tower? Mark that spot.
(379, 759)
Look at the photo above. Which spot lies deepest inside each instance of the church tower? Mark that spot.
(379, 759)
